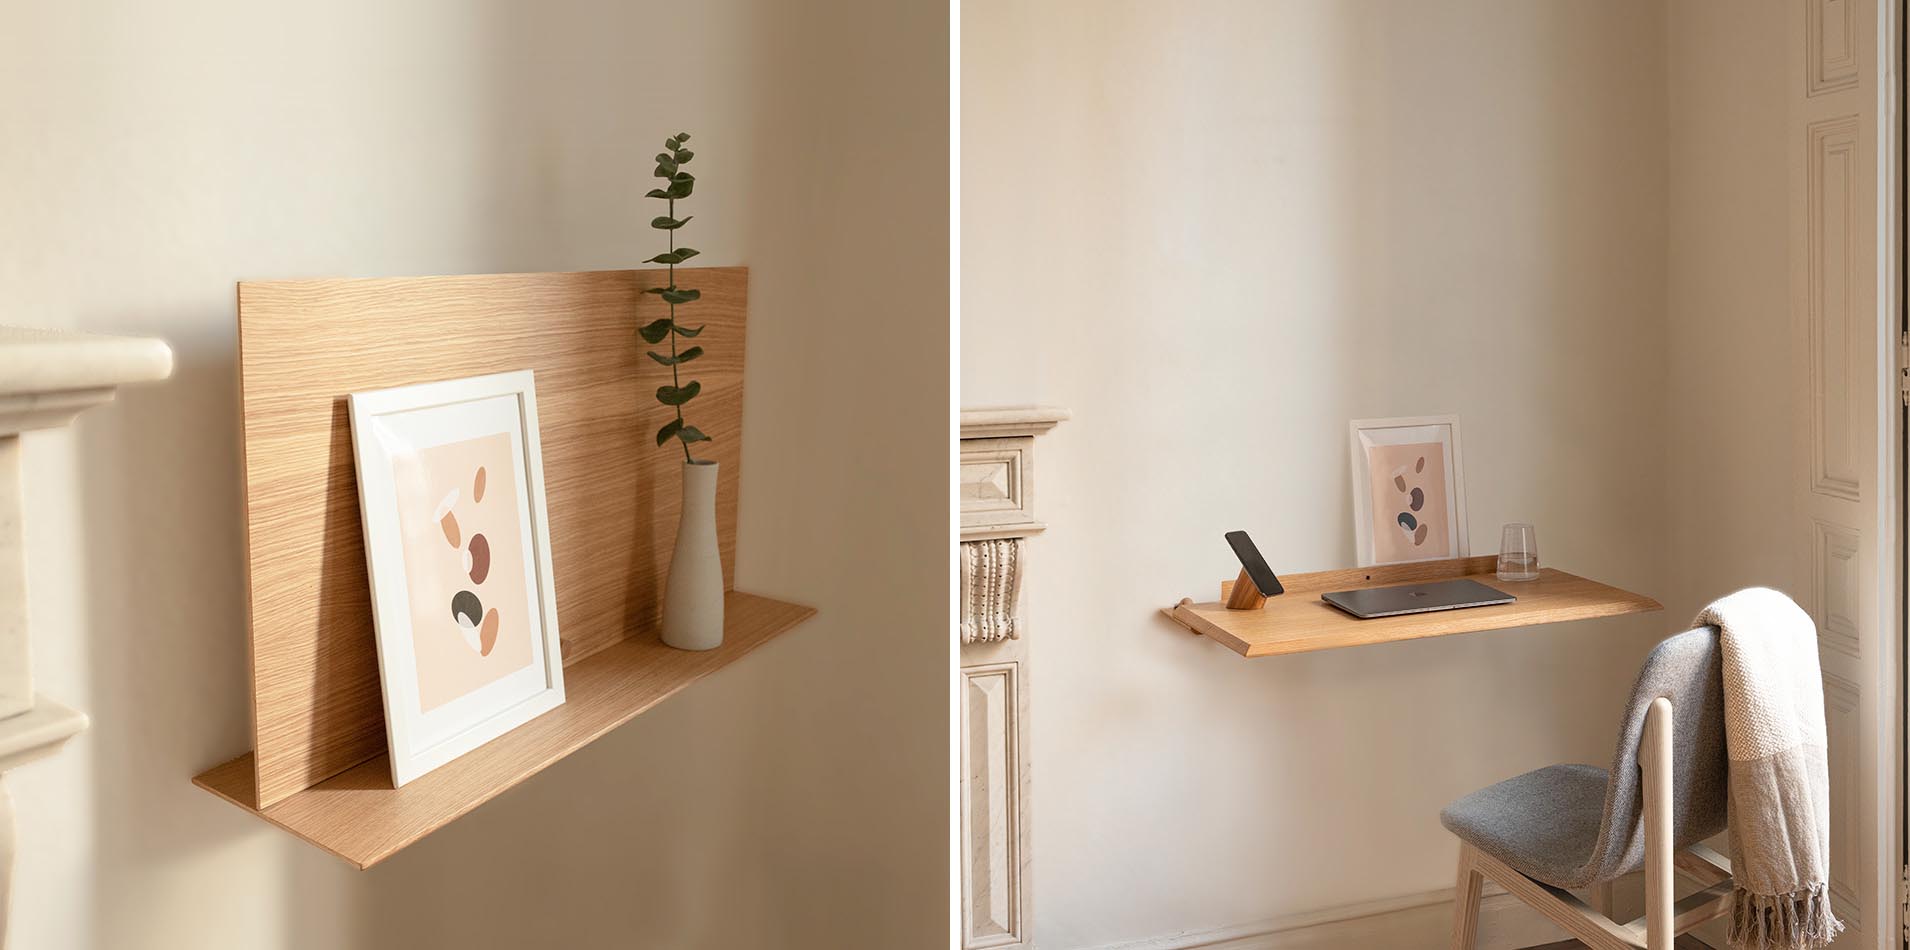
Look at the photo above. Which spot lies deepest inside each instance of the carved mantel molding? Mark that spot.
(997, 517)
(1011, 421)
(47, 377)
(998, 471)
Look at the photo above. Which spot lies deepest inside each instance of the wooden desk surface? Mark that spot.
(1298, 621)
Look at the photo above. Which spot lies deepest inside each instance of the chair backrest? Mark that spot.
(1688, 670)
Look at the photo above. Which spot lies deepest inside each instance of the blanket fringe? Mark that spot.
(1800, 920)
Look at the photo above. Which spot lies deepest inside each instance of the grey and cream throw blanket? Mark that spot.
(1780, 782)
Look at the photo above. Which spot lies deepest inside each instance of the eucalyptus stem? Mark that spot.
(675, 381)
(681, 183)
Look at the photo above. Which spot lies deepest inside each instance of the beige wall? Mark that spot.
(156, 153)
(1730, 413)
(1218, 236)
(1730, 419)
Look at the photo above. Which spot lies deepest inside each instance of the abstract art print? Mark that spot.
(450, 487)
(462, 547)
(1409, 500)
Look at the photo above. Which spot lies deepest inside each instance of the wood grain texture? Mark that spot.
(1654, 760)
(1298, 621)
(358, 816)
(1317, 582)
(1559, 906)
(1243, 595)
(1465, 901)
(612, 494)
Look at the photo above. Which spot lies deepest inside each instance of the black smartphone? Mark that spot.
(1256, 565)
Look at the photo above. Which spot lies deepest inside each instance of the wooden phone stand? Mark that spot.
(1246, 594)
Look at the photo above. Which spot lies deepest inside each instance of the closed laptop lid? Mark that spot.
(1416, 598)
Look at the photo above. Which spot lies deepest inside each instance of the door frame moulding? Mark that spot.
(1893, 452)
(1893, 851)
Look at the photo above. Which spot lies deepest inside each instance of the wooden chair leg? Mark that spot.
(1465, 901)
(1655, 768)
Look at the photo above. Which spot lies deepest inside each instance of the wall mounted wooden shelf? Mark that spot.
(318, 766)
(358, 816)
(1298, 621)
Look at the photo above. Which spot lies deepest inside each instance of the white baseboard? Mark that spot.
(1413, 922)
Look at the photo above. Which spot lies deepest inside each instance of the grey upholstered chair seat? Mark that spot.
(1543, 823)
(1572, 826)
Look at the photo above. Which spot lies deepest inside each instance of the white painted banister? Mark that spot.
(46, 378)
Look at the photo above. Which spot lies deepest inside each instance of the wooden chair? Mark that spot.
(1565, 827)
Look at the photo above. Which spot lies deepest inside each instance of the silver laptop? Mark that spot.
(1415, 598)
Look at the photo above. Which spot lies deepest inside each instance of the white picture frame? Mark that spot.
(414, 442)
(1383, 535)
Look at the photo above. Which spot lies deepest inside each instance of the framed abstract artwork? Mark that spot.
(457, 547)
(1409, 497)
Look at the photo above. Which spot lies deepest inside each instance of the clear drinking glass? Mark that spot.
(1518, 553)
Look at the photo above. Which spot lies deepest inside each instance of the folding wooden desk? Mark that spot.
(1298, 621)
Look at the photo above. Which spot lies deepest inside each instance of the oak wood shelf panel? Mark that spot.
(358, 816)
(1300, 622)
(611, 495)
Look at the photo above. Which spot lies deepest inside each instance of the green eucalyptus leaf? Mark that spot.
(671, 143)
(669, 429)
(681, 189)
(683, 357)
(687, 331)
(665, 223)
(684, 254)
(681, 296)
(692, 434)
(678, 395)
(657, 290)
(682, 176)
(657, 193)
(683, 156)
(664, 169)
(654, 331)
(670, 257)
(683, 136)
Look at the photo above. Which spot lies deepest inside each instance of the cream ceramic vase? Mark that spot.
(693, 598)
